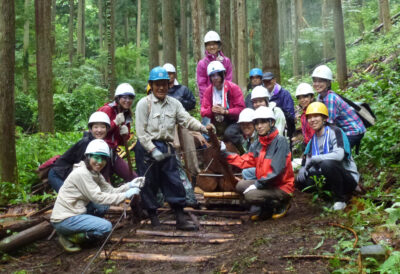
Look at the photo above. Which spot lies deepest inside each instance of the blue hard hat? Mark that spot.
(256, 72)
(158, 73)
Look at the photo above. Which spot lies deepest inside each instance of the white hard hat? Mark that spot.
(264, 113)
(124, 89)
(211, 36)
(215, 66)
(259, 92)
(304, 89)
(323, 72)
(99, 147)
(99, 117)
(169, 67)
(246, 116)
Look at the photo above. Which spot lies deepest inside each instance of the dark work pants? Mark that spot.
(355, 141)
(337, 180)
(162, 175)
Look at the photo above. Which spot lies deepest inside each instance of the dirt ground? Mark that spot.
(257, 248)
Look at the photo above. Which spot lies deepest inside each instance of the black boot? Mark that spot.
(181, 222)
(155, 222)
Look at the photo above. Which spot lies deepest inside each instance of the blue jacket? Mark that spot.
(283, 100)
(183, 95)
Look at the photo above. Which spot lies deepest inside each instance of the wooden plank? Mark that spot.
(160, 240)
(134, 256)
(221, 213)
(205, 223)
(222, 195)
(184, 234)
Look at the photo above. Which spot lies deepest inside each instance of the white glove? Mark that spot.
(158, 155)
(137, 182)
(119, 119)
(252, 187)
(123, 130)
(203, 130)
(223, 146)
(131, 192)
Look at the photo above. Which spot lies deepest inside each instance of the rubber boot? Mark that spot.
(78, 238)
(181, 222)
(68, 245)
(282, 209)
(155, 222)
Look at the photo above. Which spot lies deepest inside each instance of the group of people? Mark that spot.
(260, 125)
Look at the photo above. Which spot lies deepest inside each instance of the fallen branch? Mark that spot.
(19, 226)
(125, 255)
(34, 213)
(222, 195)
(172, 240)
(311, 257)
(183, 234)
(349, 229)
(11, 215)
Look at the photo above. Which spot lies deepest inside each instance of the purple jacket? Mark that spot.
(203, 81)
(283, 99)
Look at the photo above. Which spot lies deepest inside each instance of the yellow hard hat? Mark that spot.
(317, 108)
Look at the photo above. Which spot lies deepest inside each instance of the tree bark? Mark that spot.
(8, 159)
(225, 26)
(71, 32)
(25, 58)
(327, 43)
(242, 65)
(153, 34)
(234, 47)
(184, 44)
(110, 22)
(44, 65)
(295, 48)
(197, 40)
(81, 31)
(101, 24)
(53, 26)
(168, 32)
(385, 14)
(340, 44)
(202, 23)
(270, 37)
(139, 15)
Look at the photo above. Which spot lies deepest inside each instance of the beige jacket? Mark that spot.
(81, 187)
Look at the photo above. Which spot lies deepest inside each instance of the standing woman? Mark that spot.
(305, 96)
(120, 114)
(340, 113)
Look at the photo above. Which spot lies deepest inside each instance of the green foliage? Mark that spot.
(317, 189)
(392, 264)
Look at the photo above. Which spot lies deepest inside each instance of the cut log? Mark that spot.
(173, 240)
(207, 183)
(222, 195)
(19, 226)
(184, 234)
(26, 237)
(206, 223)
(221, 213)
(126, 255)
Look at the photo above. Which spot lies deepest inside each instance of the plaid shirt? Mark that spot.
(341, 114)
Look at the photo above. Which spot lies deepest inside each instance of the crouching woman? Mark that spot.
(85, 197)
(328, 154)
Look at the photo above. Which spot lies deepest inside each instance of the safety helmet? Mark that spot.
(304, 89)
(211, 36)
(264, 113)
(323, 72)
(169, 67)
(255, 72)
(215, 66)
(259, 92)
(246, 115)
(124, 89)
(317, 108)
(99, 117)
(158, 73)
(98, 147)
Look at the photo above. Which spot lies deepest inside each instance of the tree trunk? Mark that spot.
(101, 24)
(295, 25)
(211, 8)
(53, 26)
(126, 28)
(270, 37)
(234, 46)
(153, 34)
(71, 32)
(168, 30)
(44, 65)
(202, 23)
(8, 159)
(328, 45)
(139, 15)
(242, 64)
(197, 40)
(385, 13)
(110, 22)
(184, 42)
(225, 26)
(25, 58)
(81, 31)
(340, 44)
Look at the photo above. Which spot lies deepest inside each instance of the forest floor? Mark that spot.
(258, 248)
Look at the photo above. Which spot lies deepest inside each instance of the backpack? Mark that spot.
(363, 110)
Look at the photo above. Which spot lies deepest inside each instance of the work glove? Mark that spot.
(252, 187)
(158, 155)
(119, 119)
(123, 130)
(301, 176)
(137, 182)
(131, 192)
(204, 130)
(211, 126)
(223, 146)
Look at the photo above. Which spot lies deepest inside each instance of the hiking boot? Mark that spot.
(281, 210)
(259, 213)
(68, 245)
(77, 238)
(254, 212)
(155, 222)
(181, 222)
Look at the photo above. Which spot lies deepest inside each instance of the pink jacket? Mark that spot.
(233, 97)
(203, 81)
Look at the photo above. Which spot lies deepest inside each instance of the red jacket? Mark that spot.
(113, 137)
(308, 132)
(271, 157)
(233, 98)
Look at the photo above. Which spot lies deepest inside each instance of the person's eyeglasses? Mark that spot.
(99, 158)
(127, 97)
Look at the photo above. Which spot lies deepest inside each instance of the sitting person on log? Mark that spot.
(271, 192)
(85, 197)
(328, 154)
